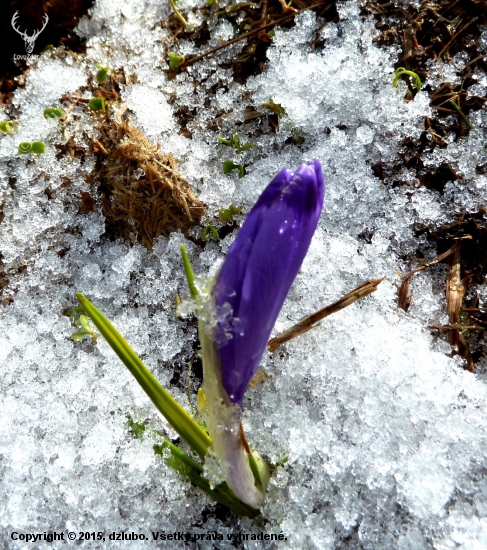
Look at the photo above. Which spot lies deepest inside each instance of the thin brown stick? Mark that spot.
(473, 61)
(440, 90)
(246, 35)
(403, 293)
(450, 327)
(456, 35)
(310, 322)
(265, 4)
(444, 110)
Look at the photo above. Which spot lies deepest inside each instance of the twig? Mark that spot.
(403, 293)
(442, 109)
(440, 90)
(473, 61)
(449, 327)
(71, 106)
(456, 35)
(265, 5)
(246, 35)
(310, 322)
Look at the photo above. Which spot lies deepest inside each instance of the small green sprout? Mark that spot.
(400, 71)
(175, 61)
(226, 214)
(234, 141)
(188, 272)
(276, 108)
(229, 165)
(209, 232)
(297, 135)
(177, 13)
(48, 48)
(138, 428)
(102, 73)
(210, 2)
(88, 330)
(38, 147)
(158, 449)
(25, 147)
(6, 127)
(97, 104)
(53, 112)
(462, 114)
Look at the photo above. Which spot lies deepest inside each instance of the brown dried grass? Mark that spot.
(144, 195)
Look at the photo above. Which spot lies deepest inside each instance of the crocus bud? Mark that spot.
(247, 296)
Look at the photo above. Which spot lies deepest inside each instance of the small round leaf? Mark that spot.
(25, 147)
(38, 147)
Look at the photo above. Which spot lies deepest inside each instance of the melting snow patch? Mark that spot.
(379, 436)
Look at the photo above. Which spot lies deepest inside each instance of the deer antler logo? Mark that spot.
(29, 40)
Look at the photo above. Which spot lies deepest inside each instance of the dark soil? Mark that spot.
(441, 29)
(63, 17)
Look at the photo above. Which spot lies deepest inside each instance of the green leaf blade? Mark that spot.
(178, 418)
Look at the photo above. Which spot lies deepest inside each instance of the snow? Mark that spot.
(380, 436)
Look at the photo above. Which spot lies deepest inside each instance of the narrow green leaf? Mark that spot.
(185, 465)
(53, 112)
(178, 418)
(188, 271)
(84, 322)
(462, 114)
(245, 147)
(210, 232)
(79, 335)
(97, 104)
(226, 142)
(226, 214)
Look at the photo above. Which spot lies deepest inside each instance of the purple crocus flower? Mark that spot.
(248, 294)
(260, 268)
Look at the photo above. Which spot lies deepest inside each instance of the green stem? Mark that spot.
(188, 271)
(400, 71)
(462, 114)
(210, 230)
(221, 493)
(178, 418)
(177, 13)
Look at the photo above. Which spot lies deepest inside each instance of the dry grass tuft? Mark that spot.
(143, 194)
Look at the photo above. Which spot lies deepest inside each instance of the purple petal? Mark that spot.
(260, 268)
